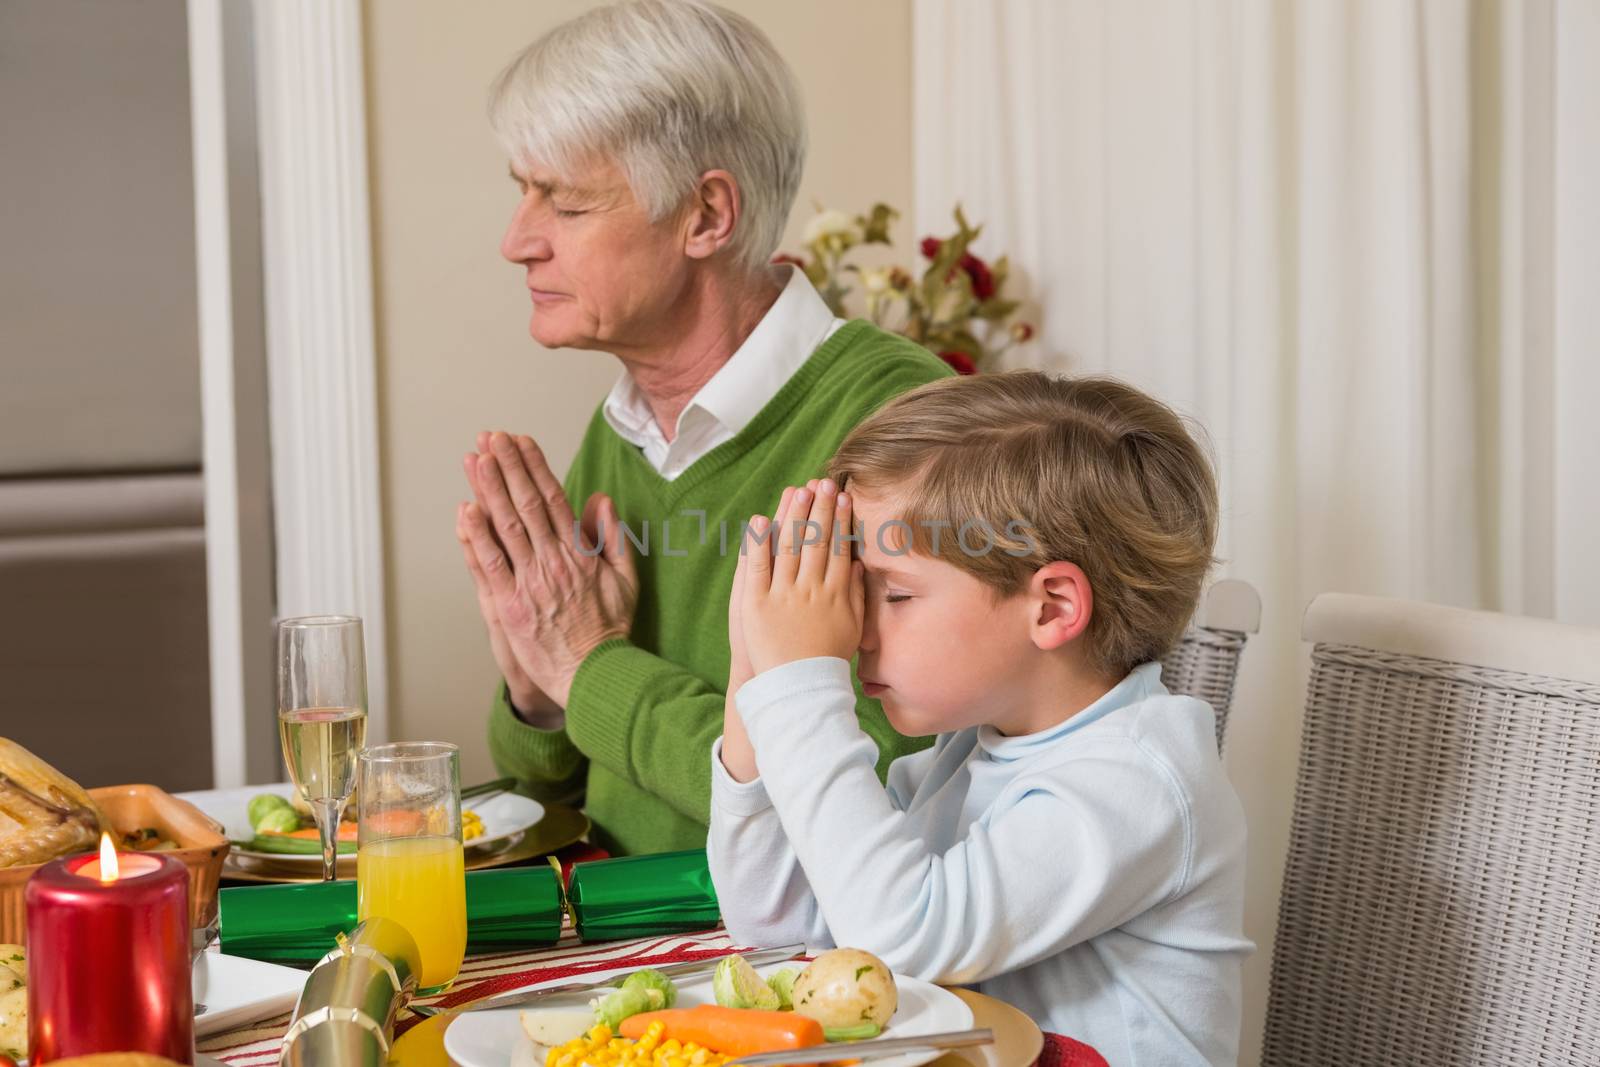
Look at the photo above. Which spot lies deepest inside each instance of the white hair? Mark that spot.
(669, 89)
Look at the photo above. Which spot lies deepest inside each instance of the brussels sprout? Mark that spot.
(844, 988)
(617, 1005)
(782, 983)
(261, 805)
(282, 820)
(736, 984)
(653, 982)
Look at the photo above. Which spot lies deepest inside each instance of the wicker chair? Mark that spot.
(1441, 890)
(1206, 661)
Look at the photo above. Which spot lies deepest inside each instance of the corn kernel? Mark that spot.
(699, 1057)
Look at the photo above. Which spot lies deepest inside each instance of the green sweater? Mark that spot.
(644, 711)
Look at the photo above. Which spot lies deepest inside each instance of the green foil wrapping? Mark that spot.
(507, 908)
(642, 896)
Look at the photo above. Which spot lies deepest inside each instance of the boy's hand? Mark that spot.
(739, 669)
(807, 600)
(737, 755)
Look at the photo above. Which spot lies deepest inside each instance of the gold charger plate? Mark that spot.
(560, 826)
(1017, 1038)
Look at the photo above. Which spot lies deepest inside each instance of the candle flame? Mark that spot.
(108, 859)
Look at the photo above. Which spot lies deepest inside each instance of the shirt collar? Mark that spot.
(791, 330)
(1143, 682)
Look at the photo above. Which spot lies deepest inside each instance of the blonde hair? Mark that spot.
(670, 89)
(1039, 469)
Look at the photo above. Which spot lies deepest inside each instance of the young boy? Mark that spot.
(1028, 548)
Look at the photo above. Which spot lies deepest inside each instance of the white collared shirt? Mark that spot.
(794, 327)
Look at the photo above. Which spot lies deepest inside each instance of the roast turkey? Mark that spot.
(43, 813)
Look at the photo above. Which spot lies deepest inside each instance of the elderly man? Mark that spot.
(658, 147)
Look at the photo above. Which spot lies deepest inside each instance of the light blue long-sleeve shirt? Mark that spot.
(1091, 874)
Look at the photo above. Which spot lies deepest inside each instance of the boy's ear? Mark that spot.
(1061, 602)
(713, 212)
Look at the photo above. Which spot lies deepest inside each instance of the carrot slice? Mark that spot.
(731, 1031)
(398, 822)
(347, 832)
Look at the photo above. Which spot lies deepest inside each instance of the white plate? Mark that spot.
(504, 816)
(236, 991)
(495, 1038)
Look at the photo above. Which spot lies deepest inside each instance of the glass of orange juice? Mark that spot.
(409, 864)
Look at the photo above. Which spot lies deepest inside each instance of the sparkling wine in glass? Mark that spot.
(322, 716)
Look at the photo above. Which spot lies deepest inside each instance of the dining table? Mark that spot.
(419, 1041)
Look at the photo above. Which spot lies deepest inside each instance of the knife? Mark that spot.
(484, 790)
(867, 1050)
(671, 970)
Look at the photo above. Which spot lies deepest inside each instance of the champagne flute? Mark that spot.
(322, 716)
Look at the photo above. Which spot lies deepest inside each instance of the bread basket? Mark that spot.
(201, 848)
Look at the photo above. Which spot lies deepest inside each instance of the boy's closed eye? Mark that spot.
(879, 588)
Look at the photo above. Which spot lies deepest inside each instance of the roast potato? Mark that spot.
(14, 1023)
(845, 988)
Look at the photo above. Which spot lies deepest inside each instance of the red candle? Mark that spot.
(109, 965)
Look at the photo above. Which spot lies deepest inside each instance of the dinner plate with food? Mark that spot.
(273, 823)
(649, 1020)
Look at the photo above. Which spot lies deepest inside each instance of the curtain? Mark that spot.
(1357, 240)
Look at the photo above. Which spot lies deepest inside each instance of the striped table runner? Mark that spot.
(258, 1044)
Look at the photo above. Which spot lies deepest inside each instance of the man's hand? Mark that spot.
(527, 700)
(808, 599)
(556, 591)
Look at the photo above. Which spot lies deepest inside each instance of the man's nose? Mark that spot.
(524, 239)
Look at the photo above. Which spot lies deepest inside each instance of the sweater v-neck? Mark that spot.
(770, 416)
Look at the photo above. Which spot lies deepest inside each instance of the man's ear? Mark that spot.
(1060, 603)
(714, 210)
